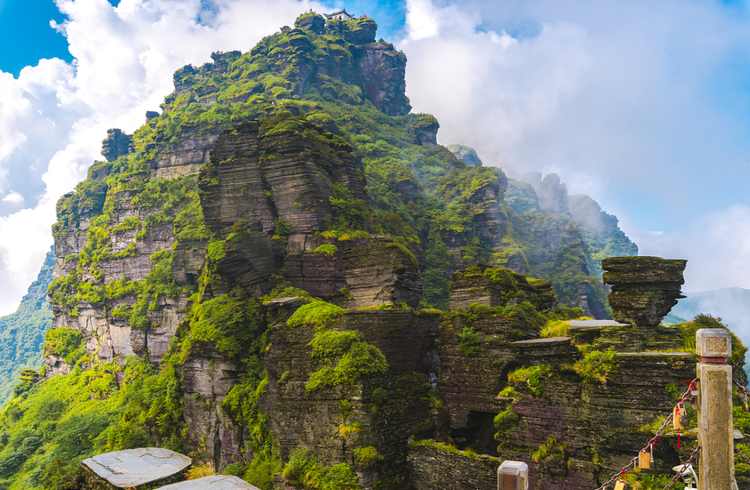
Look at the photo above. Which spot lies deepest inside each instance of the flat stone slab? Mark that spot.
(543, 341)
(135, 467)
(216, 482)
(595, 323)
(656, 355)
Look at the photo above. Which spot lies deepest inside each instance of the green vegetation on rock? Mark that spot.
(532, 378)
(303, 471)
(595, 366)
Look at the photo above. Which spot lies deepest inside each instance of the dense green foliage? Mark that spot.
(344, 359)
(316, 313)
(532, 378)
(68, 417)
(595, 366)
(303, 471)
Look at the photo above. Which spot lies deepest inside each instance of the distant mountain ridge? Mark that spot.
(22, 332)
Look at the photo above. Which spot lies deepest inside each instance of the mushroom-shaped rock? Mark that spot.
(132, 468)
(644, 289)
(216, 482)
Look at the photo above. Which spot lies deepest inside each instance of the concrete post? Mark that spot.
(513, 475)
(715, 428)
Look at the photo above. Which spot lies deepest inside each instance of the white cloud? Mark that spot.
(13, 198)
(54, 115)
(626, 100)
(717, 247)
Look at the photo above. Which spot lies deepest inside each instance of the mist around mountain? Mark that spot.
(22, 332)
(731, 304)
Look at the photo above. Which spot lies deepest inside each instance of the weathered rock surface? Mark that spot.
(498, 287)
(466, 154)
(116, 144)
(383, 69)
(299, 417)
(554, 414)
(644, 289)
(438, 467)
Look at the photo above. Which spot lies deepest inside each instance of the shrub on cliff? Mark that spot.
(596, 366)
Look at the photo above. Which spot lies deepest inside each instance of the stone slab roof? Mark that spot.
(216, 482)
(135, 467)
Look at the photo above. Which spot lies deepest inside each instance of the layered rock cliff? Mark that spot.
(252, 276)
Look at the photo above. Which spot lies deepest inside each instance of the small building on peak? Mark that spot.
(339, 15)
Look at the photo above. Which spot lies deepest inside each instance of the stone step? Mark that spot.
(215, 482)
(133, 468)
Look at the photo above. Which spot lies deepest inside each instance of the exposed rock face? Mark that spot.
(311, 419)
(383, 69)
(116, 144)
(466, 154)
(644, 289)
(208, 376)
(552, 193)
(311, 21)
(554, 408)
(442, 467)
(263, 179)
(498, 287)
(425, 128)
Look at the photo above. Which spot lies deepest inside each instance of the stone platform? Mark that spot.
(134, 468)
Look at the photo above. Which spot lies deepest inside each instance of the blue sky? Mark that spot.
(643, 105)
(25, 25)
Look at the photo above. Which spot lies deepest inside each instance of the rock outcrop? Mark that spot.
(466, 154)
(644, 289)
(509, 392)
(116, 144)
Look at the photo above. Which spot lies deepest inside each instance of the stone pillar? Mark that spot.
(513, 475)
(644, 289)
(715, 427)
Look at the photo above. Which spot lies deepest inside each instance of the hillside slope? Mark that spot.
(22, 332)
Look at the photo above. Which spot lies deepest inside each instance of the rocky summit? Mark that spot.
(283, 276)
